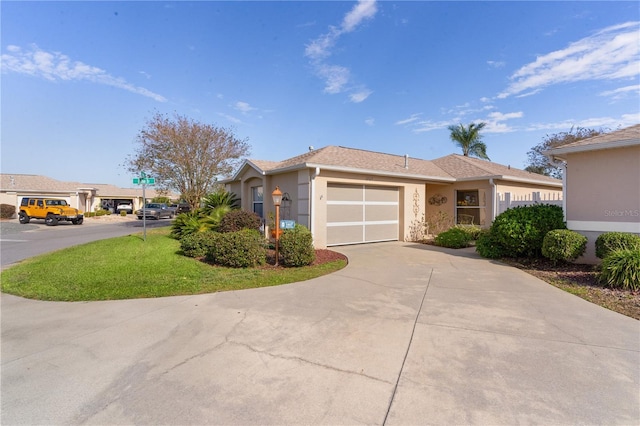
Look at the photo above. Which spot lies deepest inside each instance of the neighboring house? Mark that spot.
(87, 197)
(602, 184)
(350, 196)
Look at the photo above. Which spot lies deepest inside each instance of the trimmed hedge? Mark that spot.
(609, 241)
(453, 238)
(487, 245)
(520, 231)
(197, 244)
(296, 247)
(7, 211)
(563, 245)
(621, 269)
(242, 249)
(236, 220)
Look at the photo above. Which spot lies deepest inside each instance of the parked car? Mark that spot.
(155, 211)
(52, 210)
(180, 208)
(124, 207)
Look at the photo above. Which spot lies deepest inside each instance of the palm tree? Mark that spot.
(469, 139)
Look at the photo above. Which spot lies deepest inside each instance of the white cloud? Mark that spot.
(360, 96)
(230, 118)
(365, 9)
(337, 77)
(243, 107)
(610, 54)
(496, 122)
(55, 66)
(428, 125)
(411, 119)
(622, 92)
(625, 120)
(370, 122)
(496, 64)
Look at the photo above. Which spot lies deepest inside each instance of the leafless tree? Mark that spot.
(539, 163)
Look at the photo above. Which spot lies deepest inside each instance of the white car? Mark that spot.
(125, 207)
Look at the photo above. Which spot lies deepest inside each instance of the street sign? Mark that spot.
(144, 181)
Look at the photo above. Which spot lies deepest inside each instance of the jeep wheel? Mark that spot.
(23, 218)
(51, 220)
(77, 221)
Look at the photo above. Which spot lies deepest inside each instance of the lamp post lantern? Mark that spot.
(277, 200)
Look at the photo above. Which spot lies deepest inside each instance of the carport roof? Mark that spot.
(15, 182)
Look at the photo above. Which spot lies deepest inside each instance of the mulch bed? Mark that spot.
(322, 256)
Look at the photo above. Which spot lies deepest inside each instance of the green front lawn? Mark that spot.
(128, 267)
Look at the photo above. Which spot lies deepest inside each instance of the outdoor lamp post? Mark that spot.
(277, 200)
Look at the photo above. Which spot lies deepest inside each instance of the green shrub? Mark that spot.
(453, 238)
(89, 214)
(609, 241)
(563, 245)
(102, 212)
(123, 213)
(7, 211)
(473, 231)
(198, 244)
(621, 269)
(241, 249)
(296, 247)
(487, 245)
(521, 230)
(236, 220)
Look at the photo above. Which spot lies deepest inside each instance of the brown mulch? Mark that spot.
(322, 256)
(581, 280)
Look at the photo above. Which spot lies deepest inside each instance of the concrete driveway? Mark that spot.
(406, 334)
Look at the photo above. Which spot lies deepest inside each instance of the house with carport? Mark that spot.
(87, 197)
(602, 184)
(351, 196)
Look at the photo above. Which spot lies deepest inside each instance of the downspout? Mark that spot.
(494, 194)
(312, 223)
(563, 166)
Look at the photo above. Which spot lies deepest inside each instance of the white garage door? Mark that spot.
(361, 214)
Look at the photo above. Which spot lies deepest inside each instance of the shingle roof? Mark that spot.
(449, 168)
(358, 159)
(462, 167)
(24, 182)
(623, 137)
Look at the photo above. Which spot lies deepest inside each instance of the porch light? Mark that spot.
(277, 200)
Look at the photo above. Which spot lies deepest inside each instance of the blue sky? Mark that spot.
(80, 79)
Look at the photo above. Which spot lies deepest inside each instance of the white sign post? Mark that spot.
(144, 180)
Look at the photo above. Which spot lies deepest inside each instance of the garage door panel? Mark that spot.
(344, 213)
(348, 234)
(361, 213)
(381, 194)
(380, 232)
(376, 213)
(345, 192)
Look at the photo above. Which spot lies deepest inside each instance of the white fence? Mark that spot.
(508, 200)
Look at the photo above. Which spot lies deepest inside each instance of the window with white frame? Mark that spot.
(470, 207)
(257, 198)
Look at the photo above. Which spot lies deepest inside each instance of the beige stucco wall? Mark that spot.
(603, 193)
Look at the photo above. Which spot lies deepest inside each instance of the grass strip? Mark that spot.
(129, 268)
